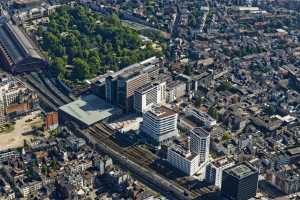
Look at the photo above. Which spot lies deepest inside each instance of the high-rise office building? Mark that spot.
(200, 141)
(239, 182)
(160, 124)
(127, 84)
(148, 95)
(121, 85)
(111, 89)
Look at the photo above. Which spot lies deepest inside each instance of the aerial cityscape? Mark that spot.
(149, 99)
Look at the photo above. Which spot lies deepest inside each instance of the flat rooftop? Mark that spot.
(200, 132)
(222, 161)
(89, 109)
(185, 153)
(162, 111)
(294, 151)
(145, 88)
(241, 170)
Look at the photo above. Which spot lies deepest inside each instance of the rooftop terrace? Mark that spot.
(200, 132)
(241, 170)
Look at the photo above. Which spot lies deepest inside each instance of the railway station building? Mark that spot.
(17, 52)
(88, 110)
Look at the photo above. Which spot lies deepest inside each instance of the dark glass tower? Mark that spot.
(239, 182)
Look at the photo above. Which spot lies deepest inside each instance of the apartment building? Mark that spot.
(15, 99)
(200, 141)
(183, 159)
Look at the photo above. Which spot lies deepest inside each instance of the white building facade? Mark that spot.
(200, 141)
(203, 117)
(149, 95)
(160, 124)
(215, 169)
(183, 160)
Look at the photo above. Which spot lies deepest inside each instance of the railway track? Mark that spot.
(134, 155)
(46, 98)
(139, 157)
(53, 88)
(65, 89)
(42, 89)
(103, 133)
(101, 127)
(43, 98)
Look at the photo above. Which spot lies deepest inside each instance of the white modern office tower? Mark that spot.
(148, 95)
(200, 141)
(183, 159)
(160, 124)
(215, 169)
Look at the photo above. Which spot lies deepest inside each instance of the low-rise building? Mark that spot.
(201, 117)
(28, 187)
(6, 192)
(33, 14)
(15, 99)
(288, 181)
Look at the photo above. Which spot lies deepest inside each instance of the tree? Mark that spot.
(53, 164)
(94, 63)
(59, 65)
(81, 69)
(226, 136)
(44, 169)
(50, 41)
(115, 20)
(71, 40)
(73, 33)
(269, 109)
(59, 50)
(226, 85)
(198, 101)
(212, 111)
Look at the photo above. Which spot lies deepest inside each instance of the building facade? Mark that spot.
(201, 117)
(127, 84)
(148, 95)
(15, 99)
(121, 85)
(287, 181)
(239, 182)
(160, 124)
(183, 159)
(17, 54)
(215, 170)
(200, 141)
